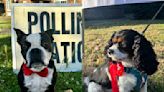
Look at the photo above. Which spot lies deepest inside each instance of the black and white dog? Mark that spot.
(37, 73)
(134, 52)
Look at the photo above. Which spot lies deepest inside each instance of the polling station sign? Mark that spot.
(65, 19)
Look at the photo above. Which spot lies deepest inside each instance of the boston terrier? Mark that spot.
(38, 72)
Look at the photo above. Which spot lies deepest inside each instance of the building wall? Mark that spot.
(48, 1)
(32, 1)
(7, 7)
(2, 10)
(75, 1)
(7, 3)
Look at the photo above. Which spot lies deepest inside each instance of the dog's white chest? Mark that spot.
(35, 83)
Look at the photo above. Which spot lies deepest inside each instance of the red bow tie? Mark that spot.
(116, 70)
(27, 71)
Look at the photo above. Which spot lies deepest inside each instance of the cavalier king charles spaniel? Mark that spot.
(130, 58)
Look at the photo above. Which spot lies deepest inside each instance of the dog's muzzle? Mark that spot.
(110, 51)
(36, 60)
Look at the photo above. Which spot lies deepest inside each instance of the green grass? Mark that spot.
(69, 80)
(8, 80)
(97, 34)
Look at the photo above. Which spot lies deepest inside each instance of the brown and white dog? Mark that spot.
(133, 53)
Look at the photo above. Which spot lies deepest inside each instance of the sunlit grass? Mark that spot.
(5, 22)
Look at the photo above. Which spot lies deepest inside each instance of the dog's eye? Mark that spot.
(119, 39)
(122, 45)
(45, 44)
(114, 40)
(25, 45)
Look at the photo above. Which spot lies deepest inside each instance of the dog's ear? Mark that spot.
(50, 32)
(20, 34)
(144, 55)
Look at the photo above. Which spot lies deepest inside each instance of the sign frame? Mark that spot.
(13, 40)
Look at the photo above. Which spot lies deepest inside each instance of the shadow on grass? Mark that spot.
(121, 22)
(8, 80)
(5, 39)
(5, 50)
(156, 81)
(155, 86)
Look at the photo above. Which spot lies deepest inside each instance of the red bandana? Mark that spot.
(27, 71)
(115, 70)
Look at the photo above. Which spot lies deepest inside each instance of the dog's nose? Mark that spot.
(36, 55)
(36, 51)
(110, 51)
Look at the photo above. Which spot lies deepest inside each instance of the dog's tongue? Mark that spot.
(115, 69)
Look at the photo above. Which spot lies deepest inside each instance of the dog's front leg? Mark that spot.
(94, 87)
(144, 88)
(126, 82)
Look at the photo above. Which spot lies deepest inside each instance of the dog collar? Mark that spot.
(140, 76)
(27, 71)
(115, 69)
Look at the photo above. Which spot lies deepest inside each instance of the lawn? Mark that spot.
(5, 22)
(8, 79)
(97, 33)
